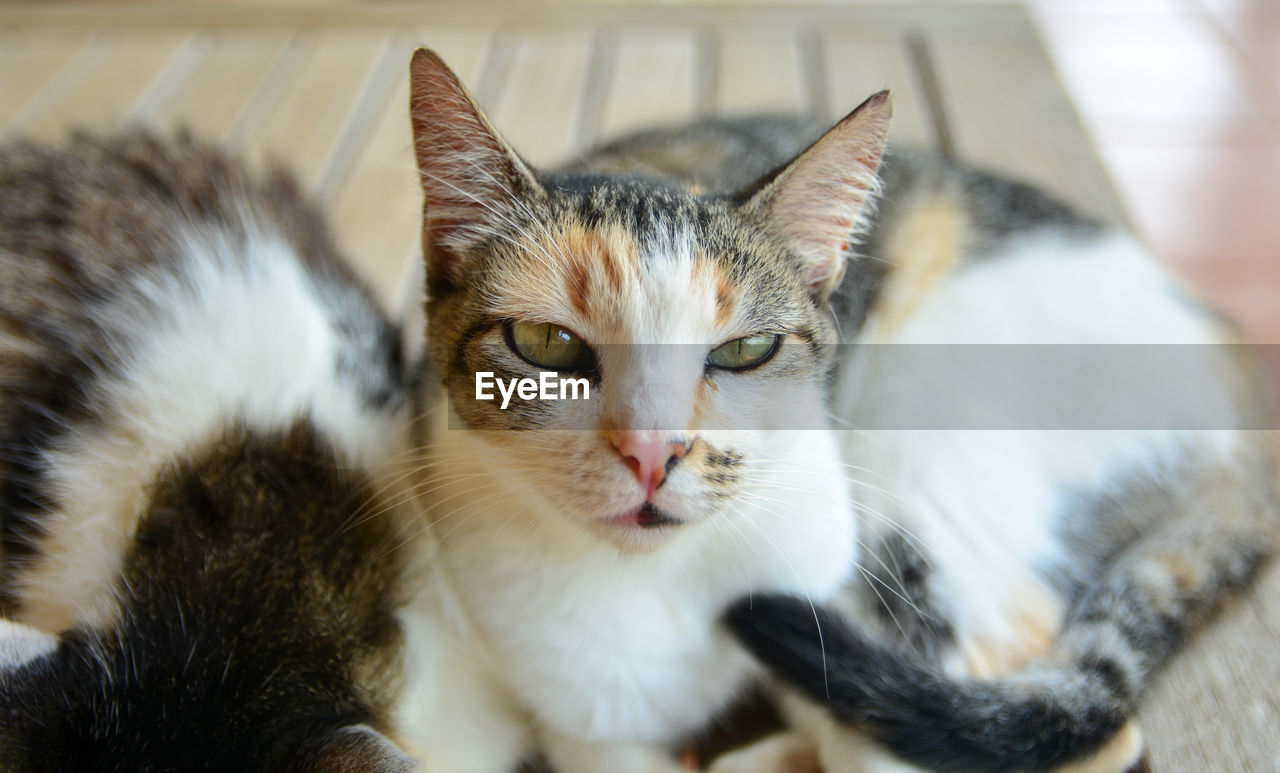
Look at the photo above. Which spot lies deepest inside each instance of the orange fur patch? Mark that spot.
(571, 270)
(923, 246)
(1185, 573)
(1034, 615)
(609, 256)
(724, 301)
(577, 285)
(708, 273)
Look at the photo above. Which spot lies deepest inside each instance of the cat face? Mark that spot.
(697, 324)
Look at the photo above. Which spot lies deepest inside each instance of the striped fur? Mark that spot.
(198, 399)
(1050, 574)
(597, 594)
(1017, 590)
(1031, 582)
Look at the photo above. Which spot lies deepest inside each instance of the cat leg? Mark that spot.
(568, 754)
(452, 714)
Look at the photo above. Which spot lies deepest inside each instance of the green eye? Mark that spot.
(547, 345)
(743, 353)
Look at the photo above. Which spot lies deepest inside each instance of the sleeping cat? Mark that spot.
(697, 278)
(198, 399)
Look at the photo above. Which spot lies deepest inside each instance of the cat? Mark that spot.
(1034, 577)
(198, 399)
(595, 542)
(698, 279)
(560, 592)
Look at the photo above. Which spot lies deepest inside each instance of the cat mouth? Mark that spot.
(646, 516)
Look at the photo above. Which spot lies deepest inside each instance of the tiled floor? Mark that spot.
(1182, 99)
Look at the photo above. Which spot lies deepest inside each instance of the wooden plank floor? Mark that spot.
(325, 90)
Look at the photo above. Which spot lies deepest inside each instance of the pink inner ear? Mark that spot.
(819, 201)
(468, 174)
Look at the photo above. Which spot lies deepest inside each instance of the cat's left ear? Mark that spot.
(817, 201)
(472, 181)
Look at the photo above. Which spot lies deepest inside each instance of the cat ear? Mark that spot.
(470, 177)
(817, 201)
(360, 749)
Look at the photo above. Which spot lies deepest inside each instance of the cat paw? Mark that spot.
(780, 753)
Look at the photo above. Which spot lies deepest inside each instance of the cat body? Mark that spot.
(1064, 553)
(593, 543)
(210, 514)
(199, 401)
(1021, 572)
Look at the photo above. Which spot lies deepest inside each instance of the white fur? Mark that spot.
(230, 340)
(21, 644)
(986, 502)
(605, 647)
(606, 636)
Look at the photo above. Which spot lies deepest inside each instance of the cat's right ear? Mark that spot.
(360, 749)
(471, 179)
(819, 202)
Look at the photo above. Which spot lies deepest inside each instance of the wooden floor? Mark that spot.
(325, 90)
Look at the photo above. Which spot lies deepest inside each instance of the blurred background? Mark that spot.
(1163, 115)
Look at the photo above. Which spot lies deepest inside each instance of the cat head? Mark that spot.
(699, 323)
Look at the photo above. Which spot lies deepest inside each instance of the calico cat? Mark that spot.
(1033, 579)
(1013, 592)
(209, 564)
(198, 398)
(595, 542)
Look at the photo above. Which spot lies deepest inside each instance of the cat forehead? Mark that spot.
(627, 260)
(653, 211)
(614, 280)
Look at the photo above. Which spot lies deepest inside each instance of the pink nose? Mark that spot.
(647, 454)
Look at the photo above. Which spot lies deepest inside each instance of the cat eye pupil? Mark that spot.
(743, 353)
(547, 345)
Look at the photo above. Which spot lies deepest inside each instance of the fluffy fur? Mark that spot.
(1014, 590)
(202, 520)
(1031, 581)
(198, 397)
(595, 593)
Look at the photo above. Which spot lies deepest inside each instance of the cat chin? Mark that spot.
(643, 529)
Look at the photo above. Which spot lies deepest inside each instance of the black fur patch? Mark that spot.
(912, 708)
(899, 575)
(79, 225)
(258, 621)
